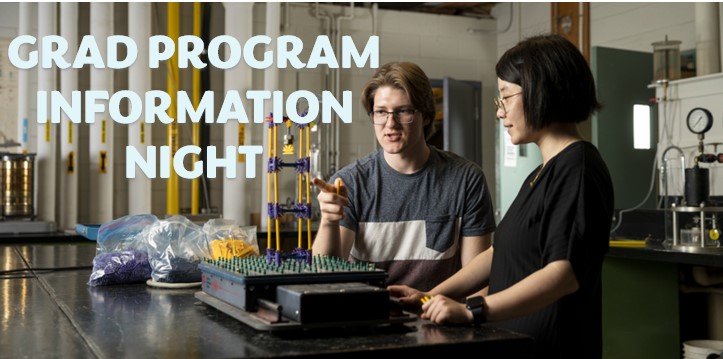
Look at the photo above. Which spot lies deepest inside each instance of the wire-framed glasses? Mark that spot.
(500, 101)
(402, 116)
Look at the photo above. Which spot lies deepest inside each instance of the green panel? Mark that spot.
(640, 309)
(622, 78)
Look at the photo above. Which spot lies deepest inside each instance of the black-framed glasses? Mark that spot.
(500, 101)
(402, 116)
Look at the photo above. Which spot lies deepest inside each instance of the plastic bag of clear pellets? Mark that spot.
(175, 247)
(227, 240)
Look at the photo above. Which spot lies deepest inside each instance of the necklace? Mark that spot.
(532, 183)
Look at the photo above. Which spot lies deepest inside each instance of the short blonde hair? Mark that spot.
(409, 78)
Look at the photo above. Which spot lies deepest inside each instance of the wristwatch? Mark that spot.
(477, 306)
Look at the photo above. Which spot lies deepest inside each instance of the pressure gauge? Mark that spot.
(699, 120)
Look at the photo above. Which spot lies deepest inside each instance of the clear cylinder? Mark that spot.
(666, 60)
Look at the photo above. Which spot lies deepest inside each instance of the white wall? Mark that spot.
(528, 19)
(635, 26)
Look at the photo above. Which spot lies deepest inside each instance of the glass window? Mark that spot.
(641, 127)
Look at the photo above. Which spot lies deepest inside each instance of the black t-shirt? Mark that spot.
(565, 214)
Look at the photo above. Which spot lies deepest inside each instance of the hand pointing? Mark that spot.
(332, 199)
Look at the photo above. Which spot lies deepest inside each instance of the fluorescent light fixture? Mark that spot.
(641, 127)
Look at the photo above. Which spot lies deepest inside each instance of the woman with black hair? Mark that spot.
(544, 267)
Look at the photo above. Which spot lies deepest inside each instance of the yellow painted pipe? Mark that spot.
(173, 86)
(268, 195)
(276, 201)
(196, 134)
(299, 226)
(276, 193)
(308, 185)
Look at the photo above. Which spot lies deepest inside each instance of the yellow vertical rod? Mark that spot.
(276, 197)
(300, 226)
(196, 134)
(308, 186)
(268, 196)
(172, 129)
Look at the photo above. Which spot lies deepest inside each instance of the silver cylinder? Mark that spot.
(17, 177)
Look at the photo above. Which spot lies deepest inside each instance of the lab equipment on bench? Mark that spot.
(704, 231)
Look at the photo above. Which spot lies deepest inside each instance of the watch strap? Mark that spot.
(477, 306)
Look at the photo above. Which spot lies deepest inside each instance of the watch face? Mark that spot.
(473, 302)
(699, 120)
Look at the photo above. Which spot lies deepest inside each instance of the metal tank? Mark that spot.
(17, 175)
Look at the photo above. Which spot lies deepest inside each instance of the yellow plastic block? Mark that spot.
(626, 243)
(288, 149)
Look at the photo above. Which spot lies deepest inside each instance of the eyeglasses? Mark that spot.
(402, 116)
(499, 101)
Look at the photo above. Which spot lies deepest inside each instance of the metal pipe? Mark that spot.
(285, 20)
(324, 136)
(706, 276)
(101, 132)
(24, 95)
(68, 216)
(702, 225)
(139, 81)
(707, 39)
(676, 239)
(720, 35)
(271, 82)
(236, 204)
(337, 86)
(375, 15)
(46, 134)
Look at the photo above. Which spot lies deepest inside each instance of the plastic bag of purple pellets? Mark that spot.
(121, 255)
(123, 267)
(175, 248)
